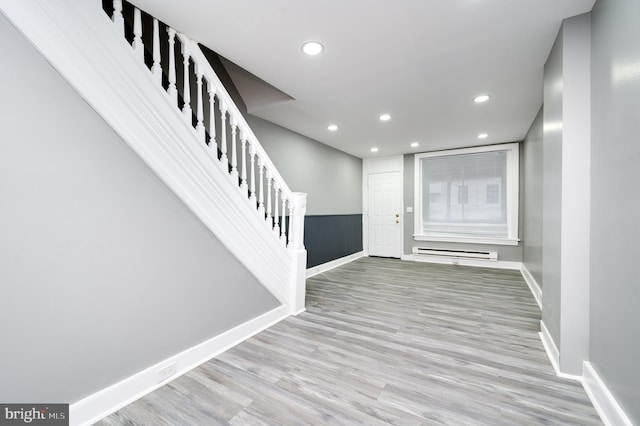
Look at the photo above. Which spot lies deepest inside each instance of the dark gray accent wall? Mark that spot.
(532, 217)
(343, 239)
(103, 270)
(332, 180)
(552, 190)
(505, 253)
(615, 175)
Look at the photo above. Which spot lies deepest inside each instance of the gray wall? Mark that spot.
(552, 190)
(576, 148)
(103, 270)
(566, 192)
(333, 181)
(615, 174)
(332, 178)
(611, 289)
(532, 223)
(505, 253)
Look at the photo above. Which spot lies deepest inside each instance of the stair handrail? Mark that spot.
(279, 197)
(211, 76)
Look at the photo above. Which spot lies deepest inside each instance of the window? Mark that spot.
(468, 195)
(463, 194)
(492, 193)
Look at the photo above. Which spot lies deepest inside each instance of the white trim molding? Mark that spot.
(533, 284)
(107, 401)
(334, 264)
(553, 353)
(500, 264)
(472, 240)
(602, 399)
(550, 347)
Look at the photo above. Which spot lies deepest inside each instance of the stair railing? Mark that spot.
(246, 162)
(181, 70)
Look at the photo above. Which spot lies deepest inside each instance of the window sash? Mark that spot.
(493, 194)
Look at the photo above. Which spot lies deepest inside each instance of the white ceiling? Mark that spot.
(422, 61)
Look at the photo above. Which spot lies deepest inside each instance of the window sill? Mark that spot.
(478, 240)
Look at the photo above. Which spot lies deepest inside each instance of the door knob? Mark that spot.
(397, 221)
(397, 215)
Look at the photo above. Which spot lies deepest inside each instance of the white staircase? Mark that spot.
(200, 146)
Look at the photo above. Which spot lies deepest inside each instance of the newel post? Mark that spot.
(297, 284)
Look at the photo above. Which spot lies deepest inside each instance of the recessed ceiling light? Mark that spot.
(414, 144)
(312, 48)
(332, 127)
(483, 136)
(374, 149)
(385, 117)
(481, 98)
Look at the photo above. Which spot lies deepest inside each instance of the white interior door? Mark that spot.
(385, 214)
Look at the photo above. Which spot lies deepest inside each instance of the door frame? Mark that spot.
(381, 165)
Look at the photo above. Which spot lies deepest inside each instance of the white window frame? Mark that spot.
(512, 192)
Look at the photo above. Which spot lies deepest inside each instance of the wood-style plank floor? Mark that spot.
(383, 342)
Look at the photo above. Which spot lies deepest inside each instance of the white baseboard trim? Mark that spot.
(334, 264)
(533, 285)
(553, 353)
(602, 399)
(105, 402)
(298, 312)
(500, 264)
(550, 347)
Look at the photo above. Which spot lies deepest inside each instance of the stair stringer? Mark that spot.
(80, 41)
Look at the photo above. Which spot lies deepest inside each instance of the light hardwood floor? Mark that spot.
(383, 342)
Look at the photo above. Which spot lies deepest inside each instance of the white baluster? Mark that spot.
(212, 118)
(252, 187)
(276, 216)
(283, 227)
(138, 47)
(186, 108)
(223, 135)
(173, 92)
(234, 150)
(156, 69)
(243, 160)
(118, 20)
(261, 182)
(200, 110)
(269, 183)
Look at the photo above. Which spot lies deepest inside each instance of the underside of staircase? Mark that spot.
(155, 88)
(215, 164)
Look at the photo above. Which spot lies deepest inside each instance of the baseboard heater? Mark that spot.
(460, 254)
